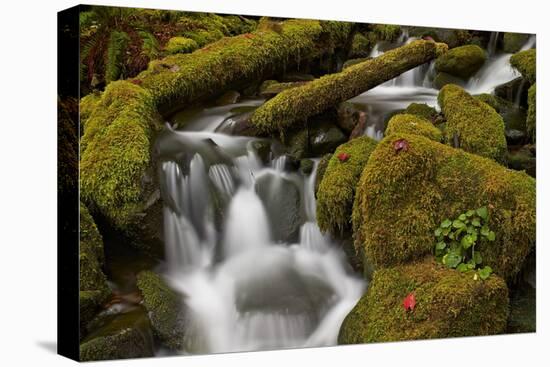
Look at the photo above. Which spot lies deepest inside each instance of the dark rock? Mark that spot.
(297, 77)
(514, 137)
(306, 166)
(263, 149)
(325, 137)
(523, 160)
(273, 89)
(297, 144)
(442, 79)
(514, 90)
(523, 310)
(348, 115)
(229, 97)
(360, 127)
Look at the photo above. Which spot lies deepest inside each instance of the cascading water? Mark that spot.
(244, 290)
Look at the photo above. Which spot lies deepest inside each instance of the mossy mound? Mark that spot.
(512, 42)
(422, 110)
(411, 184)
(115, 152)
(448, 304)
(489, 99)
(165, 308)
(461, 61)
(88, 104)
(532, 112)
(180, 45)
(526, 63)
(452, 37)
(477, 126)
(411, 124)
(337, 188)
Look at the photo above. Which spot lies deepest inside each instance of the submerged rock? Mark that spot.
(448, 303)
(402, 197)
(461, 61)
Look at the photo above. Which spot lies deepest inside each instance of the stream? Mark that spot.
(242, 242)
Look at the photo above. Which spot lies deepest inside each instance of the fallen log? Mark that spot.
(296, 105)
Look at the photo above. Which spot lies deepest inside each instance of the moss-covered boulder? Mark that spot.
(165, 307)
(526, 63)
(412, 124)
(87, 106)
(512, 42)
(180, 45)
(448, 304)
(321, 169)
(337, 189)
(461, 61)
(411, 184)
(422, 110)
(531, 122)
(452, 37)
(476, 126)
(489, 99)
(120, 336)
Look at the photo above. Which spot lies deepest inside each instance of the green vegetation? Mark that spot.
(403, 194)
(512, 42)
(422, 110)
(411, 124)
(457, 240)
(478, 127)
(181, 45)
(448, 304)
(295, 105)
(526, 63)
(387, 32)
(461, 61)
(337, 188)
(532, 112)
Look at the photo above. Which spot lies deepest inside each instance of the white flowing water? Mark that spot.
(244, 290)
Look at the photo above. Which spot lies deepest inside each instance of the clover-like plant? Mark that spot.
(458, 242)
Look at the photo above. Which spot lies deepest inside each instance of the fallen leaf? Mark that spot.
(409, 302)
(343, 157)
(401, 145)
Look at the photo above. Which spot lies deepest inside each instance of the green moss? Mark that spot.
(411, 124)
(461, 61)
(403, 196)
(296, 105)
(181, 45)
(532, 112)
(165, 308)
(489, 99)
(387, 32)
(478, 127)
(127, 343)
(337, 188)
(422, 110)
(512, 42)
(448, 304)
(360, 46)
(116, 48)
(351, 62)
(88, 104)
(526, 63)
(320, 173)
(115, 151)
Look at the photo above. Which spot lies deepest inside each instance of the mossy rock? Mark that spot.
(180, 45)
(405, 192)
(321, 169)
(442, 79)
(452, 37)
(489, 99)
(165, 308)
(462, 61)
(510, 91)
(531, 122)
(324, 136)
(87, 106)
(512, 42)
(448, 304)
(121, 336)
(422, 110)
(523, 160)
(476, 125)
(526, 63)
(412, 124)
(337, 189)
(297, 144)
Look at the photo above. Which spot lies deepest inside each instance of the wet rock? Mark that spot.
(321, 169)
(325, 137)
(297, 77)
(273, 89)
(306, 166)
(297, 144)
(239, 124)
(359, 129)
(514, 137)
(229, 97)
(348, 115)
(512, 42)
(263, 149)
(282, 200)
(120, 336)
(461, 61)
(442, 79)
(452, 37)
(514, 90)
(523, 310)
(165, 308)
(523, 159)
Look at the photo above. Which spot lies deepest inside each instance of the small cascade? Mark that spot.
(492, 45)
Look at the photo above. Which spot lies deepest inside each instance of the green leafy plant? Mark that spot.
(458, 242)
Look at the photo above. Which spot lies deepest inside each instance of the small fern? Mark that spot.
(150, 46)
(114, 68)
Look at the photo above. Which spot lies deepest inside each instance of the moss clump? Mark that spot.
(360, 46)
(127, 343)
(512, 42)
(532, 112)
(337, 188)
(296, 105)
(411, 124)
(115, 151)
(448, 304)
(461, 61)
(321, 169)
(422, 110)
(180, 45)
(489, 99)
(165, 308)
(88, 104)
(387, 32)
(526, 63)
(478, 127)
(403, 195)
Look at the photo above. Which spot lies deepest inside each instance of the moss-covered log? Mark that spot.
(476, 126)
(411, 184)
(526, 63)
(293, 106)
(337, 188)
(411, 124)
(448, 304)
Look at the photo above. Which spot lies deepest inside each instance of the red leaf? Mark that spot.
(343, 157)
(409, 302)
(401, 145)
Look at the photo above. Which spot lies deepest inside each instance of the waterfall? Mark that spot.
(492, 45)
(244, 290)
